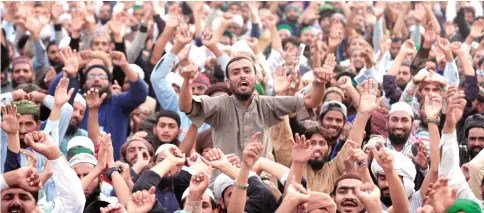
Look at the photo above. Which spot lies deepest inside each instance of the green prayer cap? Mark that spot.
(307, 28)
(466, 205)
(26, 107)
(284, 26)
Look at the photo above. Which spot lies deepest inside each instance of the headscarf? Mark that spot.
(404, 167)
(466, 205)
(318, 200)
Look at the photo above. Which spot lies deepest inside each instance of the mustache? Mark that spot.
(16, 208)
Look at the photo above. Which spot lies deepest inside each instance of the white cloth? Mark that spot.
(3, 183)
(449, 166)
(404, 167)
(71, 196)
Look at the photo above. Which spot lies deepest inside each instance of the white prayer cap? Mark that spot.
(401, 107)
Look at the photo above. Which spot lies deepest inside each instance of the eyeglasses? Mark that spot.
(100, 76)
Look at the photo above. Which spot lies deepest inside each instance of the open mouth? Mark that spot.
(16, 210)
(244, 85)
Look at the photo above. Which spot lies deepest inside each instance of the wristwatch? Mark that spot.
(241, 187)
(110, 171)
(433, 120)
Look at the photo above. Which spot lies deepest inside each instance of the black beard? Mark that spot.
(472, 153)
(387, 200)
(362, 211)
(400, 140)
(71, 129)
(402, 87)
(94, 196)
(316, 164)
(242, 96)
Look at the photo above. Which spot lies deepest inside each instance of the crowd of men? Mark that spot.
(232, 107)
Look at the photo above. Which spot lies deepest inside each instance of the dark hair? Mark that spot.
(49, 44)
(344, 177)
(292, 40)
(397, 39)
(312, 131)
(238, 58)
(28, 87)
(125, 145)
(479, 63)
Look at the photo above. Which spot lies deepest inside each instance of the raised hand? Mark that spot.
(27, 179)
(184, 35)
(379, 9)
(56, 11)
(282, 81)
(457, 48)
(252, 152)
(335, 38)
(302, 150)
(118, 58)
(323, 75)
(70, 61)
(116, 24)
(456, 103)
(296, 192)
(83, 57)
(432, 106)
(368, 193)
(43, 143)
(384, 157)
(189, 72)
(408, 47)
(31, 157)
(227, 19)
(106, 140)
(173, 21)
(10, 119)
(175, 156)
(367, 54)
(115, 88)
(93, 100)
(430, 36)
(215, 158)
(368, 99)
(61, 95)
(142, 161)
(344, 82)
(422, 157)
(356, 157)
(19, 94)
(477, 29)
(443, 197)
(142, 201)
(421, 76)
(233, 159)
(113, 208)
(444, 45)
(198, 185)
(271, 21)
(209, 39)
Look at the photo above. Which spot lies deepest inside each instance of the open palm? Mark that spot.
(432, 106)
(10, 118)
(92, 98)
(368, 99)
(62, 95)
(302, 150)
(71, 63)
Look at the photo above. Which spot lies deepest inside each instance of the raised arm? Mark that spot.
(120, 187)
(322, 75)
(69, 188)
(250, 155)
(384, 158)
(94, 102)
(10, 125)
(432, 108)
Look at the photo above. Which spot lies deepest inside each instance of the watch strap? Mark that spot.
(110, 171)
(241, 187)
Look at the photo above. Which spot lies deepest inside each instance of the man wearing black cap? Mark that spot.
(474, 134)
(167, 128)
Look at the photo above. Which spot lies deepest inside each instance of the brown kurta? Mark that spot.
(323, 180)
(233, 125)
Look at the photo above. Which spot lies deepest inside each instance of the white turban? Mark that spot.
(404, 167)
